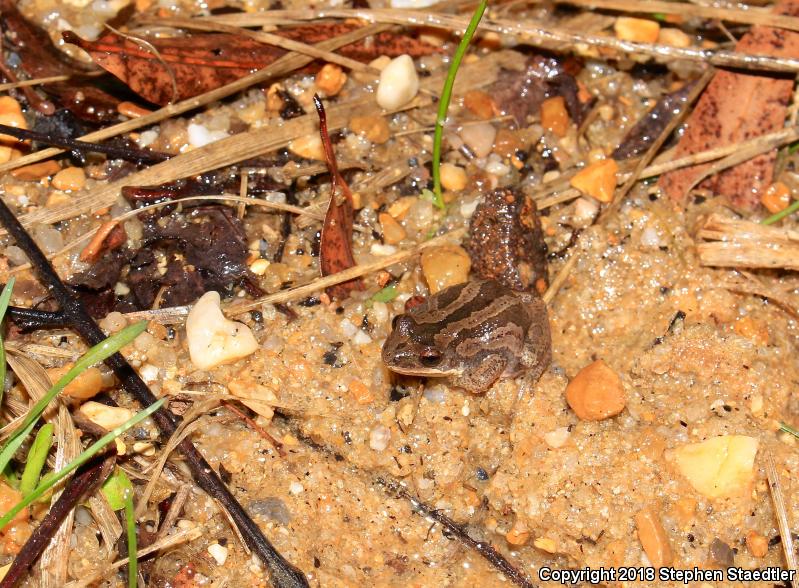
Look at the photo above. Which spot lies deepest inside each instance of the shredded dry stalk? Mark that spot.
(782, 514)
(560, 279)
(741, 243)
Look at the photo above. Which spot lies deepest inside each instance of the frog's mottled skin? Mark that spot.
(474, 333)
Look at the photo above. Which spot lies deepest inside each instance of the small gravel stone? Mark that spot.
(596, 392)
(379, 437)
(399, 83)
(214, 339)
(479, 138)
(69, 178)
(445, 266)
(453, 177)
(218, 552)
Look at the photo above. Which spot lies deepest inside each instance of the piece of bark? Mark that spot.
(736, 107)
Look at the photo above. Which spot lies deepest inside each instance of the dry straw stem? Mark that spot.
(775, 485)
(752, 15)
(284, 65)
(53, 564)
(33, 82)
(252, 143)
(525, 31)
(742, 243)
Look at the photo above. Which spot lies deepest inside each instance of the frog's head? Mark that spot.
(410, 349)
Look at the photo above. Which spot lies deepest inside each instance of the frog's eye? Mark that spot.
(430, 357)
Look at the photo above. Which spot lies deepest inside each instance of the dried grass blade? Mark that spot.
(524, 31)
(165, 543)
(752, 15)
(282, 66)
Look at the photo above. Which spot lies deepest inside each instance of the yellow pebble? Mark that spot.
(445, 266)
(10, 115)
(69, 178)
(674, 37)
(597, 180)
(546, 544)
(330, 79)
(259, 266)
(372, 126)
(308, 147)
(393, 232)
(776, 197)
(653, 537)
(86, 385)
(554, 116)
(517, 536)
(638, 30)
(453, 177)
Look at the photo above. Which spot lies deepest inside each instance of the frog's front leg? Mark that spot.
(482, 377)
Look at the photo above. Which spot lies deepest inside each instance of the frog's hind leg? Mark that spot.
(483, 376)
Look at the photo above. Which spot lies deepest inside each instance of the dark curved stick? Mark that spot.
(84, 146)
(30, 319)
(85, 481)
(282, 573)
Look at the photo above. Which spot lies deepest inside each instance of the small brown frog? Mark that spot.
(474, 333)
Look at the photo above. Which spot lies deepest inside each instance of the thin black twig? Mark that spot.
(394, 488)
(85, 481)
(283, 574)
(30, 319)
(486, 550)
(126, 153)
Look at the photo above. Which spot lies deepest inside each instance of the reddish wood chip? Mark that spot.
(736, 107)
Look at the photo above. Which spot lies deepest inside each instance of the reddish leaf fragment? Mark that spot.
(40, 58)
(736, 107)
(173, 69)
(335, 249)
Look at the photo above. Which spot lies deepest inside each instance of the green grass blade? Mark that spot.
(54, 478)
(789, 429)
(781, 214)
(130, 523)
(5, 298)
(446, 96)
(36, 458)
(96, 354)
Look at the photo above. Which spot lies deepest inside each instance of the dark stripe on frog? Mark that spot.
(507, 340)
(504, 310)
(457, 303)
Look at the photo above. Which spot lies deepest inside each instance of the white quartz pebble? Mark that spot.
(479, 138)
(218, 552)
(379, 437)
(399, 83)
(107, 417)
(213, 339)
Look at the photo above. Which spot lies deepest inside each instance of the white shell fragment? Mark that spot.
(213, 339)
(399, 83)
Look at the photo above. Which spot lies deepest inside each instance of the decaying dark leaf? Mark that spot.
(181, 257)
(38, 57)
(506, 243)
(335, 253)
(520, 94)
(164, 70)
(651, 125)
